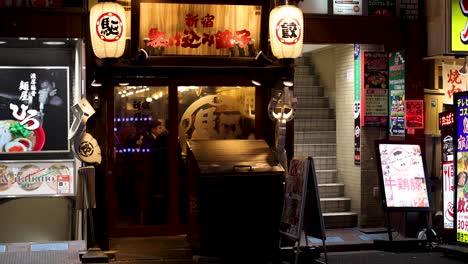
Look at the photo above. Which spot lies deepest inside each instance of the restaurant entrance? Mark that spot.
(151, 122)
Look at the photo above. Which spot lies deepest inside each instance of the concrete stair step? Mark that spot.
(314, 113)
(325, 163)
(312, 101)
(301, 124)
(340, 219)
(303, 69)
(335, 204)
(301, 80)
(311, 137)
(326, 176)
(329, 190)
(308, 90)
(314, 150)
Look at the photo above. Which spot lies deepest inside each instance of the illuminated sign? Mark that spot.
(458, 26)
(461, 172)
(403, 176)
(446, 120)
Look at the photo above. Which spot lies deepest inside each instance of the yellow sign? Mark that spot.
(459, 31)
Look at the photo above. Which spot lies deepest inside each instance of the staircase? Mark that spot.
(315, 136)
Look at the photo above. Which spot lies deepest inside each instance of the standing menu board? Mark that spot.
(461, 165)
(402, 176)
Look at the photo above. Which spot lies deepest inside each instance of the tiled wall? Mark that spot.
(348, 173)
(323, 62)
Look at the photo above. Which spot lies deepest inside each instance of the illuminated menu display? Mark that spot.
(461, 173)
(403, 177)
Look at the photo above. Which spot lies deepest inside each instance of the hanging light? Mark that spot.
(107, 29)
(286, 31)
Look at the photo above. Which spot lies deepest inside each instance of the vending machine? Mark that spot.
(446, 122)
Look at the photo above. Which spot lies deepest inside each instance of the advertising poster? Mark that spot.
(414, 114)
(357, 103)
(458, 26)
(452, 81)
(375, 89)
(461, 173)
(294, 197)
(34, 109)
(381, 7)
(403, 176)
(347, 7)
(446, 123)
(36, 178)
(396, 76)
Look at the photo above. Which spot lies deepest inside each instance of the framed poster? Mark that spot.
(402, 174)
(34, 109)
(37, 178)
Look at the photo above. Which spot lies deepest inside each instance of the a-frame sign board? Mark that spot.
(301, 207)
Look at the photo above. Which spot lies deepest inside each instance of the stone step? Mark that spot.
(335, 204)
(314, 113)
(303, 70)
(308, 90)
(314, 124)
(340, 219)
(329, 190)
(312, 101)
(326, 176)
(325, 163)
(315, 150)
(311, 137)
(304, 80)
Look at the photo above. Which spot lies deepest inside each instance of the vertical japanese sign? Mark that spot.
(453, 81)
(414, 114)
(458, 26)
(396, 76)
(448, 176)
(461, 129)
(381, 7)
(375, 101)
(357, 103)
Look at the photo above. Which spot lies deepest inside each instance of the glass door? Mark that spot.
(141, 157)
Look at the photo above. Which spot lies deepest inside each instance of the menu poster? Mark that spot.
(461, 172)
(396, 77)
(403, 177)
(294, 198)
(37, 178)
(347, 7)
(357, 103)
(414, 114)
(375, 89)
(34, 109)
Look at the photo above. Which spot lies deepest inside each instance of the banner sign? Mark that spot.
(396, 76)
(347, 7)
(189, 29)
(375, 101)
(37, 178)
(414, 114)
(357, 103)
(461, 173)
(452, 81)
(381, 7)
(403, 176)
(446, 122)
(458, 26)
(34, 109)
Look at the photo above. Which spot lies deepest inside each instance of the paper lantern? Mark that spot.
(286, 31)
(107, 29)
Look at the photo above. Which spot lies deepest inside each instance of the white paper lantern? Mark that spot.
(286, 31)
(107, 29)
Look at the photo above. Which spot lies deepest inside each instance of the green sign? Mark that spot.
(459, 33)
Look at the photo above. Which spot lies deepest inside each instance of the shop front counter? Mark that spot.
(235, 194)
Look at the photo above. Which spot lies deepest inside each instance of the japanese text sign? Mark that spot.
(461, 172)
(453, 81)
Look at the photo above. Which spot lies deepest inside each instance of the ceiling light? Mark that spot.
(288, 83)
(124, 83)
(96, 83)
(53, 43)
(256, 83)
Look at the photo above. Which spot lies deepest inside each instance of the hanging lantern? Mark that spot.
(286, 31)
(107, 29)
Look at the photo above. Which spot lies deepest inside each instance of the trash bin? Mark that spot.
(235, 194)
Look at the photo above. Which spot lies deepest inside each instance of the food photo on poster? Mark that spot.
(402, 176)
(461, 166)
(34, 109)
